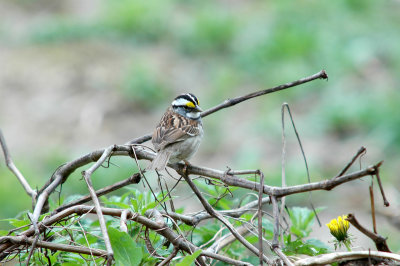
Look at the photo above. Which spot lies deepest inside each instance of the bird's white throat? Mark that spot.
(193, 115)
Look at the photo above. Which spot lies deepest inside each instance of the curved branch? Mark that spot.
(23, 240)
(124, 150)
(10, 164)
(380, 241)
(87, 175)
(340, 256)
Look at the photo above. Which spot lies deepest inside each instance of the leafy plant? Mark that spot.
(302, 220)
(125, 249)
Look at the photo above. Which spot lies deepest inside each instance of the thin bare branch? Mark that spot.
(228, 103)
(283, 158)
(122, 224)
(227, 239)
(197, 218)
(361, 151)
(282, 255)
(133, 179)
(23, 240)
(61, 175)
(231, 102)
(170, 257)
(87, 175)
(222, 219)
(275, 214)
(372, 200)
(260, 214)
(380, 241)
(243, 172)
(385, 201)
(10, 164)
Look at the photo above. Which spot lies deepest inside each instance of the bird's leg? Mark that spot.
(187, 164)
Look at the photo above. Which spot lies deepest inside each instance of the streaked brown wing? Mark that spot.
(173, 128)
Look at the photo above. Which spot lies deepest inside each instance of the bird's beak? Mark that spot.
(198, 109)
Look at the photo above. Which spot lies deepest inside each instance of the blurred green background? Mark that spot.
(81, 75)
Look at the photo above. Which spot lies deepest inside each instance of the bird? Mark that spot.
(179, 133)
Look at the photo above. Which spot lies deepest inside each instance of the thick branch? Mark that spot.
(23, 240)
(340, 256)
(232, 180)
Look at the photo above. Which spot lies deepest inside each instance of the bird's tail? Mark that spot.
(160, 161)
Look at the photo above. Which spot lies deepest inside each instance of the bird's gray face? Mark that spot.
(187, 105)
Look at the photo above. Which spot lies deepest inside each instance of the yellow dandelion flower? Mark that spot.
(338, 228)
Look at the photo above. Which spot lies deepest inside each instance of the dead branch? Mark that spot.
(10, 164)
(361, 151)
(122, 150)
(169, 258)
(275, 213)
(222, 219)
(260, 214)
(201, 216)
(372, 200)
(340, 256)
(87, 175)
(227, 239)
(282, 255)
(122, 224)
(385, 201)
(231, 102)
(380, 242)
(24, 240)
(134, 179)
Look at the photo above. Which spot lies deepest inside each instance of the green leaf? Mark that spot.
(302, 220)
(189, 260)
(149, 206)
(125, 249)
(134, 204)
(16, 222)
(311, 247)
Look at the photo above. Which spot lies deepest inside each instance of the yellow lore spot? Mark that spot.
(190, 104)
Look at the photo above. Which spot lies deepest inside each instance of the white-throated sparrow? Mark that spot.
(178, 135)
